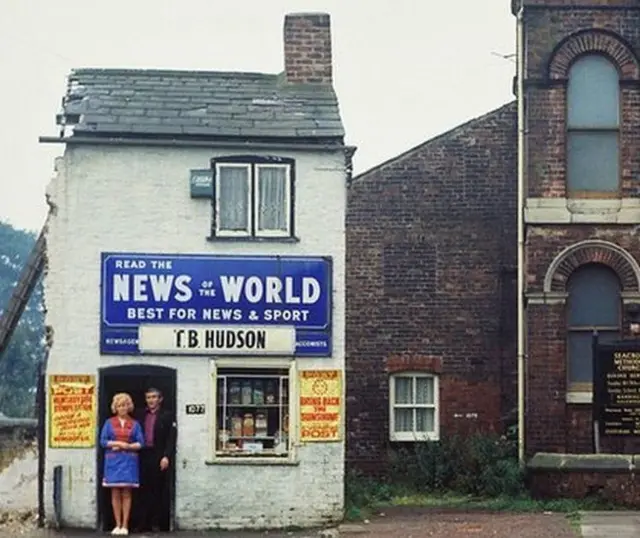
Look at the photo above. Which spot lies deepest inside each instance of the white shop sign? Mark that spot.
(216, 339)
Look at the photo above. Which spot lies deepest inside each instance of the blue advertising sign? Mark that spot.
(210, 290)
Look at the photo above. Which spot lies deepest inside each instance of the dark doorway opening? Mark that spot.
(135, 379)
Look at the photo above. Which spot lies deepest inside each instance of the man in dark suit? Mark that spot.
(155, 459)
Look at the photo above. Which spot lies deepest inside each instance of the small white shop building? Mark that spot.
(196, 243)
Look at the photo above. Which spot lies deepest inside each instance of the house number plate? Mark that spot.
(195, 409)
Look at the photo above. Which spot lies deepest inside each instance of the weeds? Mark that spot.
(479, 465)
(477, 473)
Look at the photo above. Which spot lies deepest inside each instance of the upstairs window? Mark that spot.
(593, 123)
(594, 304)
(253, 198)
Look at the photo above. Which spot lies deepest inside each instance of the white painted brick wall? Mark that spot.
(123, 199)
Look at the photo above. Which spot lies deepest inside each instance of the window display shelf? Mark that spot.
(244, 437)
(240, 453)
(254, 405)
(252, 414)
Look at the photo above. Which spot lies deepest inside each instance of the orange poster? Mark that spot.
(72, 411)
(320, 405)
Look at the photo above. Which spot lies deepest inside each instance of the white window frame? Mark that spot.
(287, 201)
(414, 436)
(255, 367)
(253, 201)
(221, 232)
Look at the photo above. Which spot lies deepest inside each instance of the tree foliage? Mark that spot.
(20, 361)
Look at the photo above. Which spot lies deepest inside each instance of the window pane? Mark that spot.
(403, 420)
(425, 420)
(592, 161)
(593, 93)
(404, 390)
(233, 185)
(594, 297)
(424, 390)
(272, 205)
(252, 414)
(580, 351)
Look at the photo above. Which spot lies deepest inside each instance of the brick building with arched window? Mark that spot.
(431, 281)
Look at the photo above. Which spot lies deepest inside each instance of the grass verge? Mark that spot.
(468, 503)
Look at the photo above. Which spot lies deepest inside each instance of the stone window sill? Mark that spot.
(582, 211)
(580, 397)
(251, 239)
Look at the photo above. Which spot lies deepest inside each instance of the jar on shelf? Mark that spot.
(236, 425)
(247, 392)
(248, 425)
(258, 392)
(234, 392)
(261, 424)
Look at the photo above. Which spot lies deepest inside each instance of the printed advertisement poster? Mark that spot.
(72, 411)
(320, 405)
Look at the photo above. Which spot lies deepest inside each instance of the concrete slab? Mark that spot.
(621, 524)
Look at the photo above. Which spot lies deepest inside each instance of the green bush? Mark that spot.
(483, 465)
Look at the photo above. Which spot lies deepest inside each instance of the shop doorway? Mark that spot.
(134, 379)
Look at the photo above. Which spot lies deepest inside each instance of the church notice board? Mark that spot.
(616, 402)
(72, 411)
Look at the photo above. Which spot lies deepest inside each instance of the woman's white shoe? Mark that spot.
(116, 531)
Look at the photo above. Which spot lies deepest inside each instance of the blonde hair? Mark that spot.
(120, 398)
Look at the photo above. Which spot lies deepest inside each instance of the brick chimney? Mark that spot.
(307, 48)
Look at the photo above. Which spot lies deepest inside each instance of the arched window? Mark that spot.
(593, 121)
(594, 303)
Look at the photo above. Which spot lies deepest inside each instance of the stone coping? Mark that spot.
(547, 461)
(6, 422)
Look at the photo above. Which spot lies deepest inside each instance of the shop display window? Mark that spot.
(252, 413)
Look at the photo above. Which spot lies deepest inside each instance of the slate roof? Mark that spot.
(204, 104)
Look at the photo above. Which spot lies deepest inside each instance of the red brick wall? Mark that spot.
(620, 487)
(430, 281)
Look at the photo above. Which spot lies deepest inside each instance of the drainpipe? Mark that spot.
(521, 269)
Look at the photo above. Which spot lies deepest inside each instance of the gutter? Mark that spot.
(521, 340)
(174, 142)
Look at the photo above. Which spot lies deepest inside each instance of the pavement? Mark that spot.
(616, 524)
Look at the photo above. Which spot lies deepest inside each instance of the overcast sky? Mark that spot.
(404, 70)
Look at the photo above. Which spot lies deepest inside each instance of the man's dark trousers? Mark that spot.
(153, 489)
(154, 483)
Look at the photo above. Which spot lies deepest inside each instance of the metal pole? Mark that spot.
(521, 238)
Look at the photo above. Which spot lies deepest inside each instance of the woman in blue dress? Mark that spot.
(122, 438)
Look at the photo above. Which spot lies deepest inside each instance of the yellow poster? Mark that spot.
(72, 411)
(320, 405)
